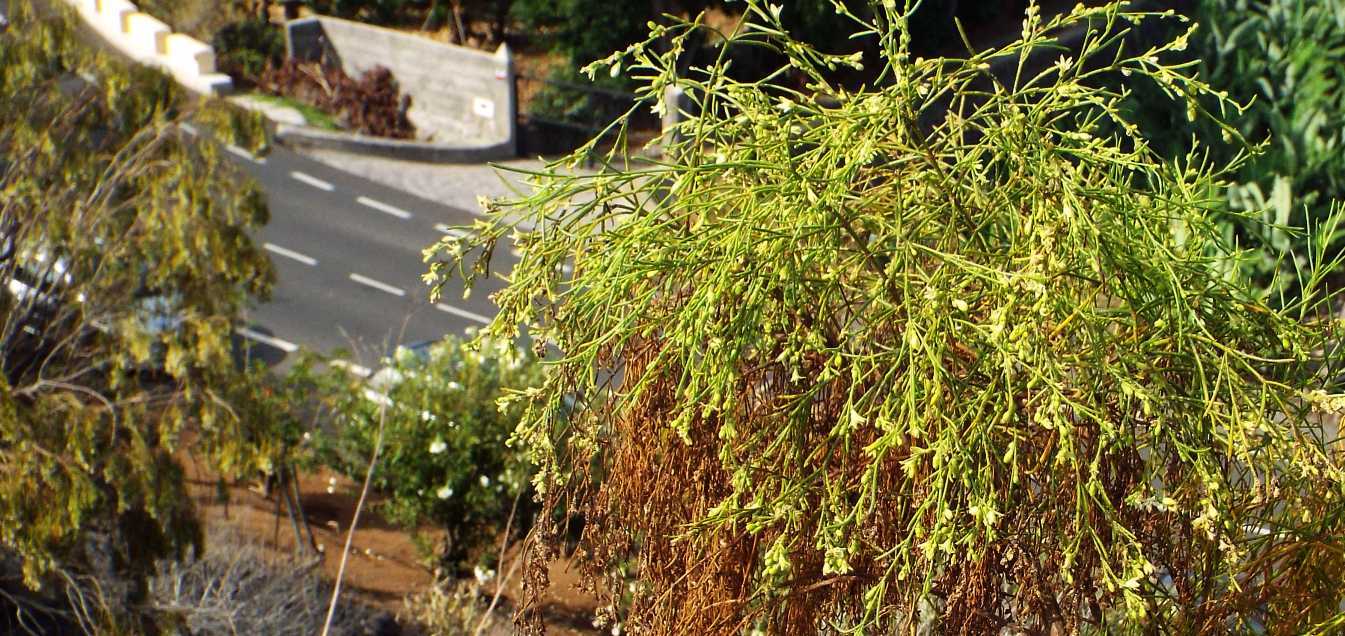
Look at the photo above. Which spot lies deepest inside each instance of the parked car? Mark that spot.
(39, 281)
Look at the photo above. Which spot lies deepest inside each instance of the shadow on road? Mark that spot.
(247, 351)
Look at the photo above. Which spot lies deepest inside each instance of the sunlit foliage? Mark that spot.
(937, 352)
(124, 261)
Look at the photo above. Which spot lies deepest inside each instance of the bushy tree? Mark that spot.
(941, 352)
(568, 26)
(124, 260)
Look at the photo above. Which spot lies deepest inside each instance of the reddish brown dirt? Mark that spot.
(385, 565)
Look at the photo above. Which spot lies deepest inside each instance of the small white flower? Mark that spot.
(485, 481)
(307, 436)
(454, 386)
(482, 574)
(331, 485)
(438, 446)
(445, 492)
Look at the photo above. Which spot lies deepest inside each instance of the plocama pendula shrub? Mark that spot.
(863, 363)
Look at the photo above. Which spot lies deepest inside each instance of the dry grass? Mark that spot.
(234, 589)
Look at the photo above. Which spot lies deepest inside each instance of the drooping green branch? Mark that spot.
(950, 348)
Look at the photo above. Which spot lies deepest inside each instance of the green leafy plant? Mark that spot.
(247, 48)
(446, 459)
(1285, 60)
(941, 353)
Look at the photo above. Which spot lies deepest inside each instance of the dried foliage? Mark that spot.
(453, 608)
(938, 354)
(234, 589)
(371, 105)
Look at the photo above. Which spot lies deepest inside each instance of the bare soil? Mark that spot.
(385, 565)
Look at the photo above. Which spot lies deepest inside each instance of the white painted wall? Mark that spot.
(149, 41)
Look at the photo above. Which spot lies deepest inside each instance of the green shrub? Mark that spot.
(445, 457)
(1285, 60)
(882, 367)
(568, 26)
(377, 11)
(248, 47)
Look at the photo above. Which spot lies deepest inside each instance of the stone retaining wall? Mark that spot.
(460, 97)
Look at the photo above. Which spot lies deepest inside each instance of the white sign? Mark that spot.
(483, 108)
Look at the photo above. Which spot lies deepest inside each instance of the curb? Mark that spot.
(354, 143)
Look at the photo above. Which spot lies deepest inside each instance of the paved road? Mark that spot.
(348, 263)
(347, 253)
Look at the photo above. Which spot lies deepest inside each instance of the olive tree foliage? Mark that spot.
(939, 353)
(124, 260)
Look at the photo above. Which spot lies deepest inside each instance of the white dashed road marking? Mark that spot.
(380, 286)
(287, 253)
(462, 313)
(313, 181)
(383, 207)
(287, 347)
(239, 152)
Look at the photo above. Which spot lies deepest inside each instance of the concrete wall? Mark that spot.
(150, 42)
(458, 95)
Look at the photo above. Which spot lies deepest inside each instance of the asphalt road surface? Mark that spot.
(347, 253)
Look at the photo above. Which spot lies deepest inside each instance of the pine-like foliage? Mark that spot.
(1286, 60)
(939, 352)
(124, 260)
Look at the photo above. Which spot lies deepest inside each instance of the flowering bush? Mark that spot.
(445, 457)
(952, 353)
